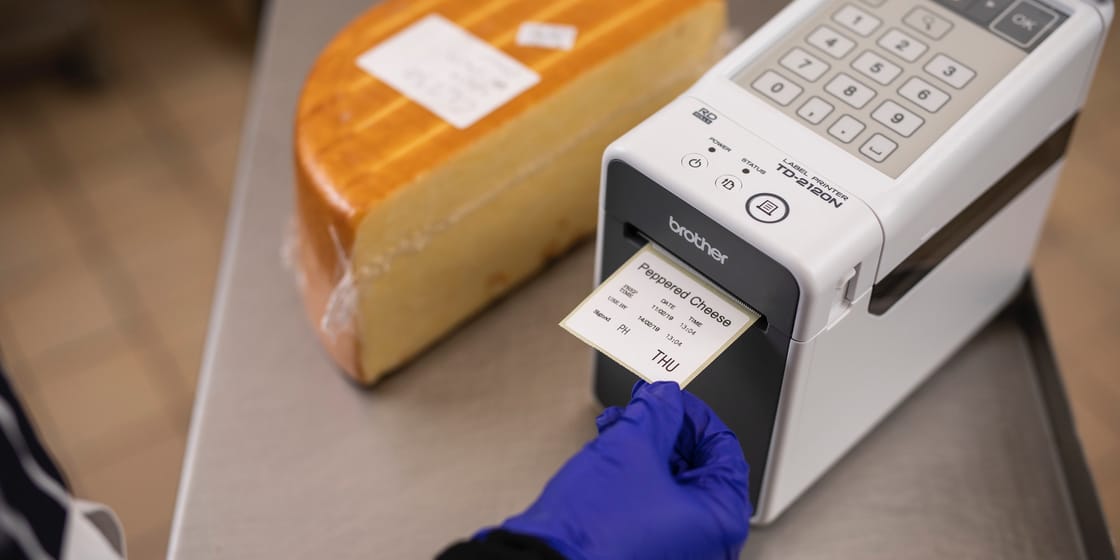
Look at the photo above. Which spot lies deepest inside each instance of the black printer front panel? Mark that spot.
(743, 385)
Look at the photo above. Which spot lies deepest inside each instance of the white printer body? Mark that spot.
(874, 175)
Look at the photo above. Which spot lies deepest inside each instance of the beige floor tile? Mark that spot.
(65, 359)
(151, 545)
(183, 321)
(1085, 215)
(54, 304)
(140, 487)
(1098, 439)
(1094, 404)
(108, 407)
(105, 404)
(220, 160)
(210, 103)
(173, 266)
(1105, 249)
(1099, 350)
(132, 191)
(1074, 297)
(32, 230)
(186, 345)
(89, 125)
(1086, 199)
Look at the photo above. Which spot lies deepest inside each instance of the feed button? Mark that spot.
(767, 208)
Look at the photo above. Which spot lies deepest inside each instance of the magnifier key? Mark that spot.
(927, 23)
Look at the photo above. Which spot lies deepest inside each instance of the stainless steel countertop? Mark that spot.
(287, 459)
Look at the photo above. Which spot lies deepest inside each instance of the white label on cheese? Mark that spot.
(547, 35)
(659, 319)
(447, 70)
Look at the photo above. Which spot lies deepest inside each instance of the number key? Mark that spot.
(876, 67)
(897, 118)
(850, 91)
(804, 64)
(904, 46)
(856, 20)
(773, 85)
(831, 42)
(949, 71)
(923, 94)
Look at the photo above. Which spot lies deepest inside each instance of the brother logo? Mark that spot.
(697, 240)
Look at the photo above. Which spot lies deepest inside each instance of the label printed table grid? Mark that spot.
(659, 319)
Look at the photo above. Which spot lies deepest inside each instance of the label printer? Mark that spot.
(871, 176)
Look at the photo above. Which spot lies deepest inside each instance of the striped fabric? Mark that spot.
(39, 519)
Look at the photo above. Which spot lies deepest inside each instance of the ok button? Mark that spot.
(1025, 23)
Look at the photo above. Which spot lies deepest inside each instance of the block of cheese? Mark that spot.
(409, 223)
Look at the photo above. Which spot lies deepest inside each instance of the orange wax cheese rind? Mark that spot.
(415, 208)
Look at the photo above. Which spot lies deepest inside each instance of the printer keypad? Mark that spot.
(889, 65)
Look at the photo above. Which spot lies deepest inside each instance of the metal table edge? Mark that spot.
(1081, 491)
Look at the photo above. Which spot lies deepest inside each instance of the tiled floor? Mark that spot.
(112, 206)
(112, 210)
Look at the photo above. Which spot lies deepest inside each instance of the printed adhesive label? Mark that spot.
(447, 70)
(657, 318)
(554, 36)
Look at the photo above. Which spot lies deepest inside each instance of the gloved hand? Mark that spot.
(664, 479)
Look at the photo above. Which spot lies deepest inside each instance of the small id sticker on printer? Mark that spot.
(659, 319)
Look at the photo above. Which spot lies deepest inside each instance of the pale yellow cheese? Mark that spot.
(408, 225)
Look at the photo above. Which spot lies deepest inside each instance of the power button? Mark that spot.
(694, 161)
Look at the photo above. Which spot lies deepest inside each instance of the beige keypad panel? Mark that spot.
(881, 79)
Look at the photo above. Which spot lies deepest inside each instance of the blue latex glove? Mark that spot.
(664, 479)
